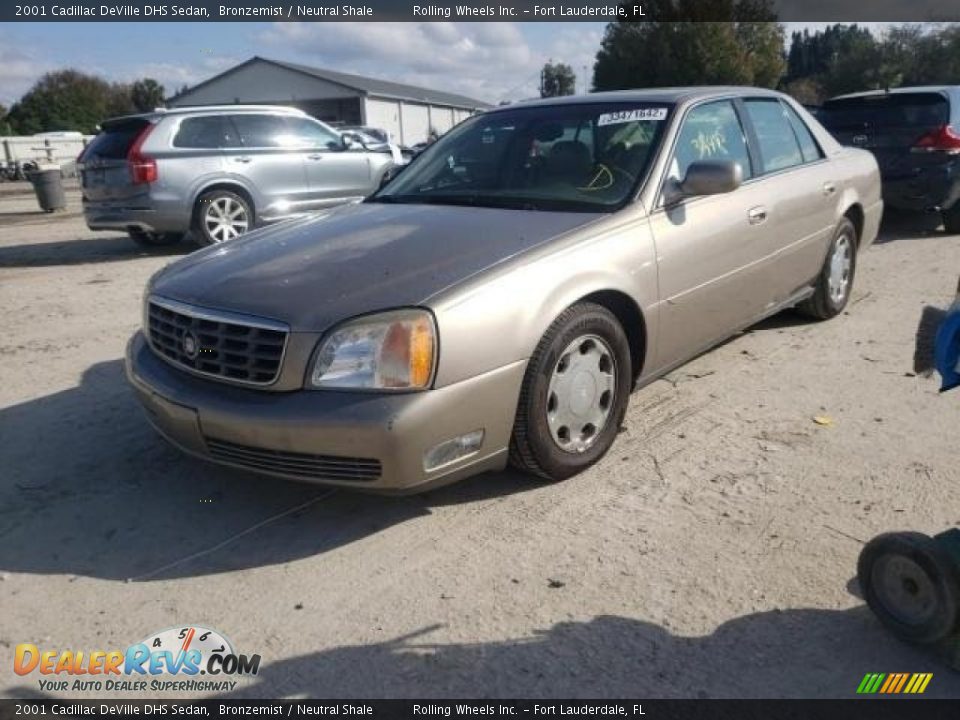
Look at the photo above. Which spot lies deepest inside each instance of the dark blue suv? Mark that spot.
(914, 132)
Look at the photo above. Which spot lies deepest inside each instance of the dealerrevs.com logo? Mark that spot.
(189, 659)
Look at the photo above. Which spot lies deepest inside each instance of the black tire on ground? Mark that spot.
(202, 230)
(951, 219)
(821, 305)
(912, 585)
(533, 448)
(154, 239)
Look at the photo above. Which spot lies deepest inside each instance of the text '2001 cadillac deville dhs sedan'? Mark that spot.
(500, 298)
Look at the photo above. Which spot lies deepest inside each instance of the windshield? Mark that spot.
(582, 157)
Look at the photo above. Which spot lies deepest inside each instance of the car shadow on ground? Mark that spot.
(90, 489)
(796, 653)
(783, 653)
(80, 251)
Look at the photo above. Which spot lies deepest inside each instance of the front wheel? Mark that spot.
(835, 281)
(574, 394)
(221, 215)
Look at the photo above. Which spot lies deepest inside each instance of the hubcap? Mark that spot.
(224, 219)
(580, 394)
(904, 589)
(840, 263)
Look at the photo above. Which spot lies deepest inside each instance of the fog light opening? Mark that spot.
(450, 451)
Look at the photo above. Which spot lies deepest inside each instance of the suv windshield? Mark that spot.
(578, 157)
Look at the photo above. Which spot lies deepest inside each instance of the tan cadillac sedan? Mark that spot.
(499, 299)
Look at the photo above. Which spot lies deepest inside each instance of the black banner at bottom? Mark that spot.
(868, 709)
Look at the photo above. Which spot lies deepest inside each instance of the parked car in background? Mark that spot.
(374, 139)
(913, 132)
(219, 171)
(376, 135)
(501, 297)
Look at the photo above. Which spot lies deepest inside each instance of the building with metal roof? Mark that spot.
(406, 112)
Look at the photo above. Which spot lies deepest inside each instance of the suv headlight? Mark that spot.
(394, 350)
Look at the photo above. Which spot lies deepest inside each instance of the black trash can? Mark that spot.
(48, 185)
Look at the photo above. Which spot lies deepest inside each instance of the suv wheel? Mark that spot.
(574, 395)
(951, 219)
(147, 239)
(221, 215)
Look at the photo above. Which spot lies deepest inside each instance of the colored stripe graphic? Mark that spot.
(894, 683)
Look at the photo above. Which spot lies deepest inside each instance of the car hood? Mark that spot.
(356, 259)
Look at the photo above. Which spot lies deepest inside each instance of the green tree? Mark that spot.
(5, 127)
(68, 100)
(693, 43)
(147, 94)
(557, 79)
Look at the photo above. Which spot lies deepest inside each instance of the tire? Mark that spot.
(951, 219)
(587, 342)
(912, 585)
(221, 215)
(825, 302)
(146, 239)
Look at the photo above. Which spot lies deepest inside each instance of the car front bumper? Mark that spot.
(366, 441)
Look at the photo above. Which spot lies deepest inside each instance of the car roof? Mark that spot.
(671, 95)
(941, 89)
(191, 109)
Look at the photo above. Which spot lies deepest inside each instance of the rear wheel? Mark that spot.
(835, 281)
(574, 395)
(148, 239)
(221, 215)
(951, 219)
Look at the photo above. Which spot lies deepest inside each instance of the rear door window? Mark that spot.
(212, 131)
(114, 142)
(778, 145)
(808, 146)
(261, 131)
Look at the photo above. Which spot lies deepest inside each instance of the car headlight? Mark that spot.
(394, 350)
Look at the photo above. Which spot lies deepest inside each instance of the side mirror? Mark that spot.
(711, 177)
(351, 141)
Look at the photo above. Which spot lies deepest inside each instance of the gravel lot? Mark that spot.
(710, 554)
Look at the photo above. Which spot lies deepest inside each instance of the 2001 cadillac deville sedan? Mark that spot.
(498, 300)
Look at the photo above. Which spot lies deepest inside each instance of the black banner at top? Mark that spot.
(455, 10)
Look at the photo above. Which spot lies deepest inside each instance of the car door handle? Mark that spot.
(315, 156)
(757, 215)
(829, 188)
(242, 159)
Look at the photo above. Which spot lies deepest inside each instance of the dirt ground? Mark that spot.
(710, 554)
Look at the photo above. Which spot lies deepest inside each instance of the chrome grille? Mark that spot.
(321, 467)
(218, 345)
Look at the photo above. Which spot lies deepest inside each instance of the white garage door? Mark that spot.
(416, 123)
(441, 119)
(385, 115)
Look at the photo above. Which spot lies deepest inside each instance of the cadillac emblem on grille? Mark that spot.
(190, 345)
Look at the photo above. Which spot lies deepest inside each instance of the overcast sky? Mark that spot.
(488, 61)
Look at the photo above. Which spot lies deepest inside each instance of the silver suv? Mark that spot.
(219, 171)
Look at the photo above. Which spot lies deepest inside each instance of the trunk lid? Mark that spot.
(104, 167)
